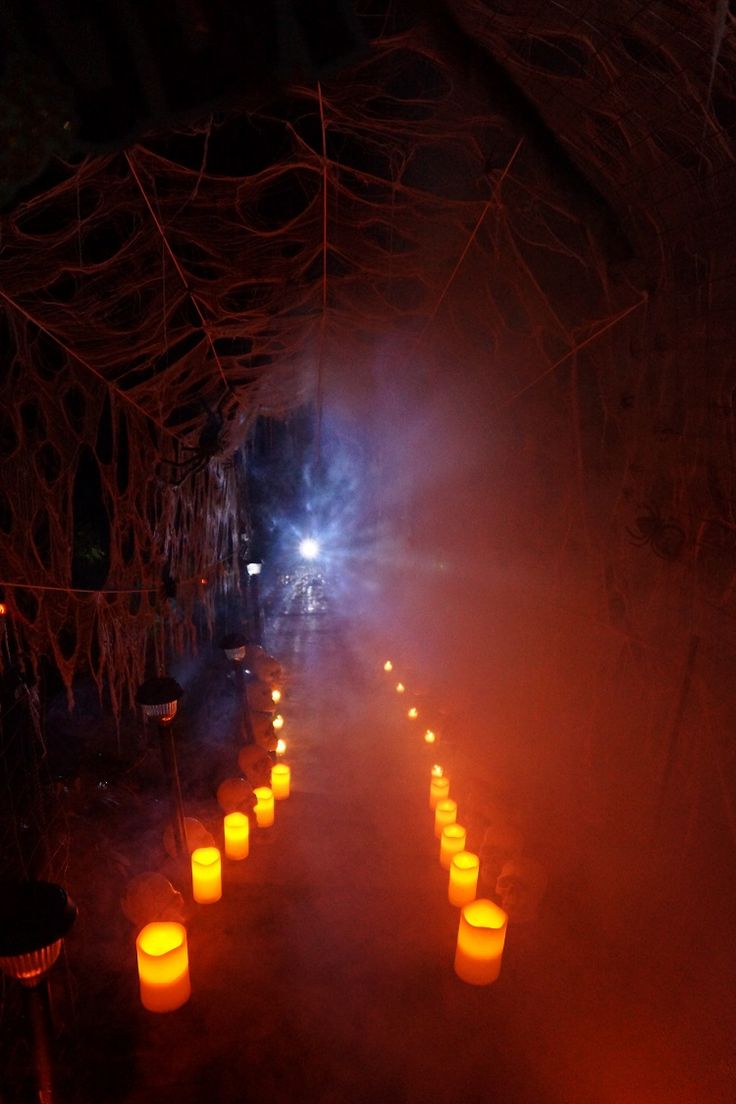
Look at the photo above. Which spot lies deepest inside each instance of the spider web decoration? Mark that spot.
(545, 188)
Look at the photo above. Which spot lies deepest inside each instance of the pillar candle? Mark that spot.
(480, 941)
(439, 788)
(206, 875)
(264, 806)
(237, 835)
(463, 884)
(445, 812)
(163, 966)
(452, 841)
(280, 780)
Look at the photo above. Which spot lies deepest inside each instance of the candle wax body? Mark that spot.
(463, 884)
(445, 812)
(237, 835)
(264, 806)
(281, 781)
(480, 941)
(439, 789)
(163, 966)
(452, 841)
(206, 875)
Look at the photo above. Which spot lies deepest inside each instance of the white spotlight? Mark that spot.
(309, 548)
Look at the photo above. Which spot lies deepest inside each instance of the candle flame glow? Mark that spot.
(203, 580)
(388, 665)
(3, 609)
(280, 747)
(437, 771)
(413, 712)
(429, 736)
(278, 722)
(276, 696)
(400, 688)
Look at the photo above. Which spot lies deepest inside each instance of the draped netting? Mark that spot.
(157, 300)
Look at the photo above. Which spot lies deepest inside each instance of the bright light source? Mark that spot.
(429, 736)
(275, 696)
(388, 665)
(413, 713)
(278, 722)
(280, 747)
(253, 568)
(309, 548)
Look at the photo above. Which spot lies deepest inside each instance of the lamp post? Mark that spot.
(159, 698)
(34, 918)
(235, 646)
(254, 598)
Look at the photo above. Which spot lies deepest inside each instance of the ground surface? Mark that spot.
(325, 972)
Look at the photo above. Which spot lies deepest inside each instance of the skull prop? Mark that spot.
(520, 888)
(149, 897)
(259, 697)
(501, 843)
(235, 795)
(263, 733)
(255, 765)
(267, 669)
(196, 833)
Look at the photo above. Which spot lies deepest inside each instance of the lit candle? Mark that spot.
(463, 884)
(275, 696)
(280, 780)
(206, 875)
(264, 806)
(412, 713)
(280, 746)
(237, 835)
(480, 941)
(439, 789)
(452, 841)
(445, 812)
(163, 966)
(429, 736)
(400, 688)
(388, 665)
(278, 722)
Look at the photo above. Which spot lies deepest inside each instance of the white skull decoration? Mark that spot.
(263, 733)
(196, 833)
(259, 697)
(520, 887)
(235, 795)
(255, 765)
(501, 843)
(267, 669)
(149, 897)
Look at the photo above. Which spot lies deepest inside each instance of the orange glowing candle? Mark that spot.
(388, 665)
(429, 736)
(480, 941)
(452, 841)
(463, 884)
(275, 696)
(280, 746)
(280, 781)
(206, 875)
(163, 966)
(400, 688)
(278, 722)
(237, 835)
(445, 812)
(264, 806)
(412, 713)
(439, 789)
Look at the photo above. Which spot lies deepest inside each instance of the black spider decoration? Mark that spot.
(665, 537)
(212, 441)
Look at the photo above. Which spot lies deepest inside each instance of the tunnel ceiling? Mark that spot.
(158, 296)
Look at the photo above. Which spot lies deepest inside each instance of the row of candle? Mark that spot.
(161, 947)
(482, 927)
